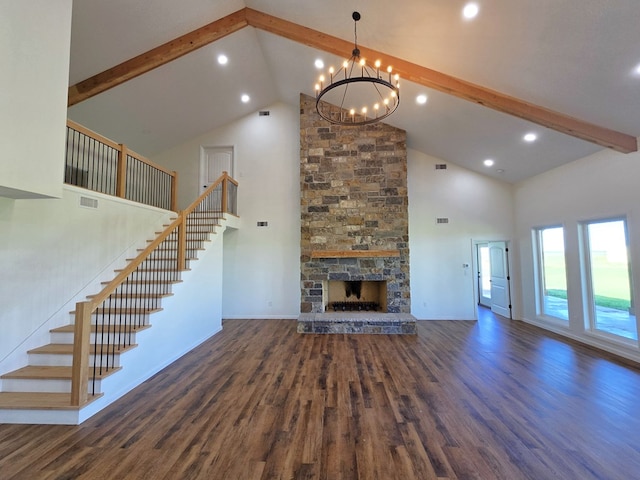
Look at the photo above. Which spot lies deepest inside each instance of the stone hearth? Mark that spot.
(357, 322)
(354, 221)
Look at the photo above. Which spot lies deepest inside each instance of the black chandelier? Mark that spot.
(357, 93)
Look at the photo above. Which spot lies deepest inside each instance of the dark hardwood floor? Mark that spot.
(463, 400)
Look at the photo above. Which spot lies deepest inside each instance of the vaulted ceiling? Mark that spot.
(566, 71)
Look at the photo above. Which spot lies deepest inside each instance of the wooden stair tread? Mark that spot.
(121, 311)
(162, 259)
(137, 295)
(172, 249)
(154, 270)
(40, 401)
(110, 328)
(147, 281)
(67, 348)
(191, 233)
(37, 372)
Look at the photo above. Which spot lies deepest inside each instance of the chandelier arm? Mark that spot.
(376, 81)
(367, 75)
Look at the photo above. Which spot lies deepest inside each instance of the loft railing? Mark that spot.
(122, 307)
(99, 164)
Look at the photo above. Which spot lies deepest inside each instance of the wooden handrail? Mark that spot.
(123, 153)
(142, 159)
(121, 277)
(210, 188)
(90, 133)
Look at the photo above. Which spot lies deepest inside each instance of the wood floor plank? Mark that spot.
(491, 399)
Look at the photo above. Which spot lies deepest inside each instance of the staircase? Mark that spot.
(34, 393)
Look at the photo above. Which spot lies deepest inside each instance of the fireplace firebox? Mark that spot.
(350, 295)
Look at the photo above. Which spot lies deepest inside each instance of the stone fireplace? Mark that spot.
(354, 216)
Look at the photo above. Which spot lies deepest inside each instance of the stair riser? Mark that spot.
(161, 288)
(67, 337)
(201, 227)
(163, 263)
(151, 275)
(202, 236)
(40, 385)
(114, 319)
(133, 302)
(191, 251)
(191, 243)
(64, 360)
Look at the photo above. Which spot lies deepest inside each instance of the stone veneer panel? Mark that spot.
(353, 183)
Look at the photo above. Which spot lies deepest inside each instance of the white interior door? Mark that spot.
(500, 293)
(214, 161)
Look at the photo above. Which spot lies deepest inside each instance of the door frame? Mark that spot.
(203, 152)
(476, 269)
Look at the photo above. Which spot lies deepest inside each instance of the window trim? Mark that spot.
(588, 296)
(539, 280)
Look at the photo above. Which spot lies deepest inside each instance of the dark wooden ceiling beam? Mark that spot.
(156, 57)
(408, 71)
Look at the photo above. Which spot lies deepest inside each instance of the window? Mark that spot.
(552, 274)
(608, 279)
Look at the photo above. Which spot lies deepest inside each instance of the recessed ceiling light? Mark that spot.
(222, 59)
(488, 162)
(245, 98)
(470, 10)
(530, 137)
(637, 69)
(319, 63)
(421, 99)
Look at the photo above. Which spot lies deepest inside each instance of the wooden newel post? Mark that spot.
(174, 191)
(121, 180)
(182, 242)
(80, 366)
(225, 191)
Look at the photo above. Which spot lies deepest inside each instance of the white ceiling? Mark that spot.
(573, 56)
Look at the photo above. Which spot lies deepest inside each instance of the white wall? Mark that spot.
(599, 186)
(261, 264)
(53, 252)
(34, 47)
(478, 208)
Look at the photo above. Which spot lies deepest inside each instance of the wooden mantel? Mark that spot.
(354, 253)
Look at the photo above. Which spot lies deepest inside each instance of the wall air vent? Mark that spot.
(263, 224)
(442, 220)
(264, 113)
(88, 202)
(441, 166)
